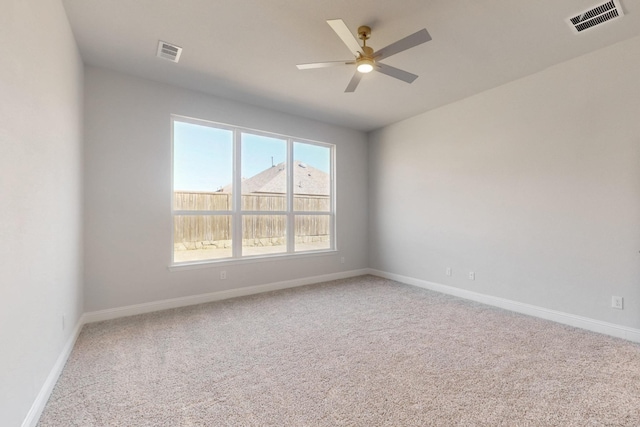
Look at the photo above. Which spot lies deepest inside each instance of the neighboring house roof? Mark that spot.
(306, 180)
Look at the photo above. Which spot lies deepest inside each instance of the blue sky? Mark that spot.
(203, 156)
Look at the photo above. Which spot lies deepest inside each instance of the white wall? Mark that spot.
(534, 185)
(128, 192)
(40, 196)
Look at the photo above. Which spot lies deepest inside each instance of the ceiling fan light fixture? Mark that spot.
(365, 65)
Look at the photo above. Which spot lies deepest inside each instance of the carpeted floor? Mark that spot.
(356, 352)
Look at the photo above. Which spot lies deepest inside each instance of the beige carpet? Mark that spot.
(356, 352)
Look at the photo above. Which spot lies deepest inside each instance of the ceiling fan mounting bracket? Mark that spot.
(364, 32)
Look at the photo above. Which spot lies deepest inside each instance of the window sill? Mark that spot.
(248, 260)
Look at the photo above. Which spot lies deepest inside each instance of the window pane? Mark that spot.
(264, 202)
(201, 237)
(264, 234)
(202, 201)
(202, 167)
(311, 177)
(313, 232)
(264, 173)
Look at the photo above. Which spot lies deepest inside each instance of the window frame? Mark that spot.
(236, 213)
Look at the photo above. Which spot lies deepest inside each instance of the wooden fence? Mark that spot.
(189, 229)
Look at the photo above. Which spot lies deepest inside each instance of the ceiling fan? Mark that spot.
(366, 60)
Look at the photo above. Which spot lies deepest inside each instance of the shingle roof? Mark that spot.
(306, 180)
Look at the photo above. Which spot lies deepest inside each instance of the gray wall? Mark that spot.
(128, 192)
(40, 194)
(534, 185)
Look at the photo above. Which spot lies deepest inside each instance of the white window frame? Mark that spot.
(237, 213)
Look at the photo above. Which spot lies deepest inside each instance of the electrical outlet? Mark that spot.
(342, 260)
(616, 302)
(448, 271)
(472, 275)
(223, 275)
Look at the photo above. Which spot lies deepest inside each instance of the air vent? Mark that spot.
(168, 51)
(595, 16)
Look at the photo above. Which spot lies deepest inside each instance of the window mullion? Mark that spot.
(173, 194)
(290, 217)
(333, 200)
(236, 217)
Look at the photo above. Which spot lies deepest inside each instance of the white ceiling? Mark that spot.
(247, 50)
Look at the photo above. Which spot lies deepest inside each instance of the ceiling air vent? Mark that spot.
(168, 51)
(595, 16)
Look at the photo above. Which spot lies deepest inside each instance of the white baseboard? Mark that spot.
(132, 310)
(43, 396)
(593, 325)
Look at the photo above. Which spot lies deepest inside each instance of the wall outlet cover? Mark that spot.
(617, 302)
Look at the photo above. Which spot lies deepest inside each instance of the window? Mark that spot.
(240, 193)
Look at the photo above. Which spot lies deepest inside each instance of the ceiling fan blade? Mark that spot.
(323, 64)
(408, 42)
(345, 35)
(353, 84)
(395, 72)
